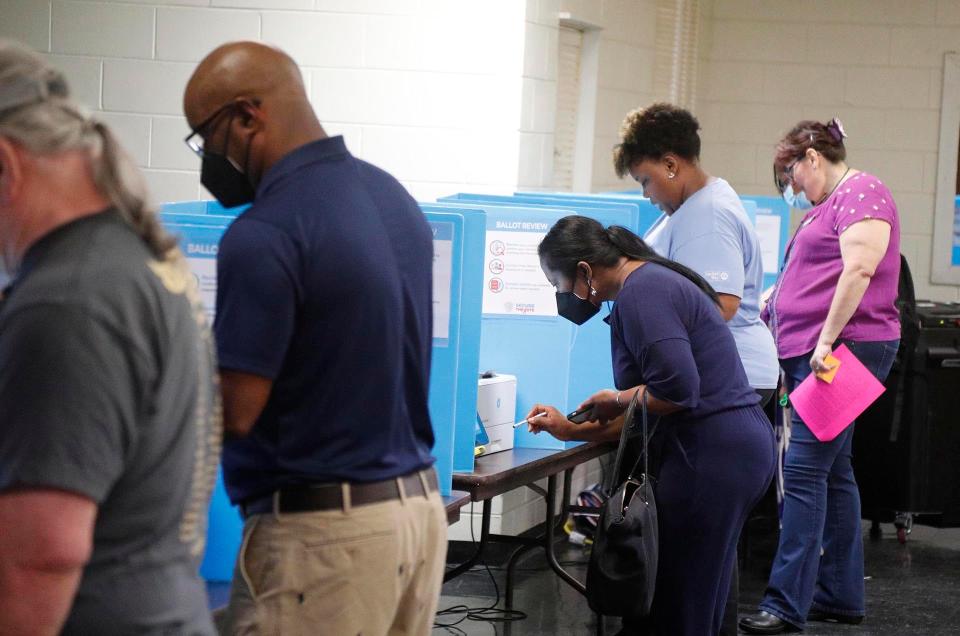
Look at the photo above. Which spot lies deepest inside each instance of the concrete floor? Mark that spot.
(911, 589)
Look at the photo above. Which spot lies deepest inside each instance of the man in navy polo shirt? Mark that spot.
(323, 328)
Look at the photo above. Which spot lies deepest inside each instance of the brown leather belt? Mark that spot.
(317, 497)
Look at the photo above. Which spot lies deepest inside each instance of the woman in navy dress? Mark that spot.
(717, 452)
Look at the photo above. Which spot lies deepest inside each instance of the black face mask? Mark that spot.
(224, 179)
(575, 309)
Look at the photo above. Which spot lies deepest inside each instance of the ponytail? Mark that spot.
(117, 178)
(632, 246)
(578, 238)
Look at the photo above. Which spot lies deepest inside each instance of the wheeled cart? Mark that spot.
(907, 444)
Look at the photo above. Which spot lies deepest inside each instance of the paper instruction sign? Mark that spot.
(200, 245)
(513, 283)
(768, 231)
(442, 280)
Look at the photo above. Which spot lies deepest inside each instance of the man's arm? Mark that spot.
(46, 537)
(244, 397)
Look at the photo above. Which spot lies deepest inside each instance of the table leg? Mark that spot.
(551, 554)
(511, 564)
(484, 534)
(565, 504)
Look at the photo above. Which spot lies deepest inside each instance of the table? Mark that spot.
(453, 503)
(504, 471)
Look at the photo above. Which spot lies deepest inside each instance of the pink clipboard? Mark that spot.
(828, 409)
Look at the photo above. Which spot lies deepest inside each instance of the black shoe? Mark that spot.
(818, 615)
(766, 623)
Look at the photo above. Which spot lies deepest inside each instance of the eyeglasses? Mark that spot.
(778, 177)
(195, 139)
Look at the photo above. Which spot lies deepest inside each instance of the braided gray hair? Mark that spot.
(37, 112)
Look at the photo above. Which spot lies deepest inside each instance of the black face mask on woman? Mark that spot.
(575, 309)
(225, 181)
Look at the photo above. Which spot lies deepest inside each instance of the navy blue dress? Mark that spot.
(717, 455)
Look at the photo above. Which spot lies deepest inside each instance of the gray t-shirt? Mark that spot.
(107, 390)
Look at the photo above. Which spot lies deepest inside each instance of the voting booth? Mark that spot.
(555, 362)
(457, 274)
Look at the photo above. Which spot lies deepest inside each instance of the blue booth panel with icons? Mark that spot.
(555, 361)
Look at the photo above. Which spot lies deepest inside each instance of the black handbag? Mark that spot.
(622, 573)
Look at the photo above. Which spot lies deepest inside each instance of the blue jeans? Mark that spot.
(821, 509)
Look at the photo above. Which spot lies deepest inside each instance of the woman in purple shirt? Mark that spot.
(838, 285)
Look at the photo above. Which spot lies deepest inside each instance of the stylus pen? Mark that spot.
(522, 422)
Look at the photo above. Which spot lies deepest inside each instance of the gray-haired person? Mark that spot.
(109, 416)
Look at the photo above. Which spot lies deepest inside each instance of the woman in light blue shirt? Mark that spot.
(705, 228)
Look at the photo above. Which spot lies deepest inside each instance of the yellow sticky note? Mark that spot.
(827, 376)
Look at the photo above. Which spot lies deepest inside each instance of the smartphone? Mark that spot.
(581, 416)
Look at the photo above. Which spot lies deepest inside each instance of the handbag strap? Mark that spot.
(625, 433)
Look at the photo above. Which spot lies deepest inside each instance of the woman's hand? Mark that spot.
(552, 421)
(604, 404)
(817, 359)
(765, 297)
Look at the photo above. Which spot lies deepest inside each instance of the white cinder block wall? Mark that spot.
(430, 90)
(625, 80)
(538, 95)
(627, 31)
(876, 64)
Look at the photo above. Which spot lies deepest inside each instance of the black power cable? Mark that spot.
(490, 614)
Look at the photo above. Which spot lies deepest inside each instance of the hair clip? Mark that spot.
(835, 126)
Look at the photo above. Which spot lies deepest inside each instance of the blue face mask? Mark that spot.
(794, 200)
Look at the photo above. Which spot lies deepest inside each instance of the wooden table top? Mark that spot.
(453, 503)
(501, 472)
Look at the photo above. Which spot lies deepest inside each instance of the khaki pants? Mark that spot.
(371, 570)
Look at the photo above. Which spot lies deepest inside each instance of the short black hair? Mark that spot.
(652, 132)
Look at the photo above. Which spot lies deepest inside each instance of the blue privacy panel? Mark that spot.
(533, 348)
(647, 213)
(224, 533)
(199, 238)
(458, 271)
(202, 207)
(772, 221)
(555, 362)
